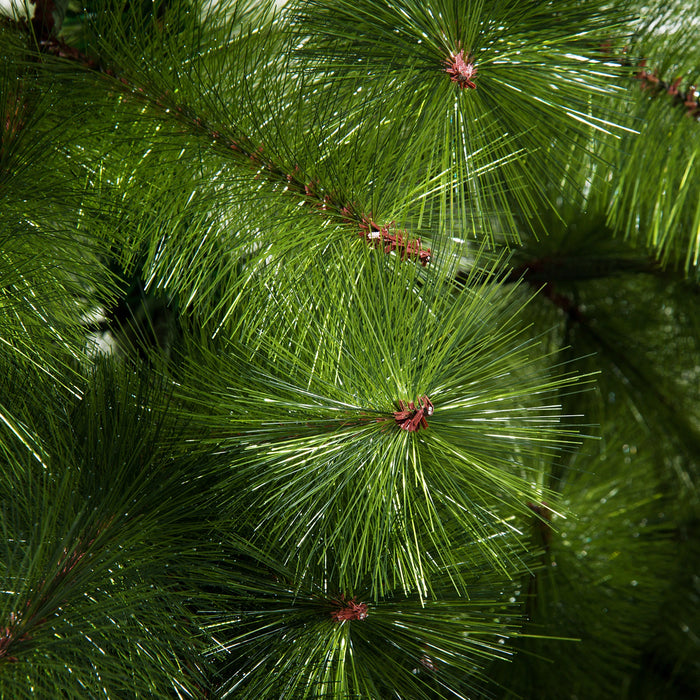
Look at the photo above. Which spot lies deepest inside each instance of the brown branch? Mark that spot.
(412, 418)
(544, 273)
(44, 20)
(654, 85)
(532, 273)
(349, 609)
(9, 635)
(14, 630)
(542, 523)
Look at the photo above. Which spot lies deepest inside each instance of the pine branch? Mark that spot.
(420, 59)
(250, 155)
(653, 198)
(621, 516)
(99, 536)
(568, 285)
(369, 481)
(322, 643)
(398, 414)
(655, 86)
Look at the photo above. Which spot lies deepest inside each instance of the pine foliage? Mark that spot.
(349, 350)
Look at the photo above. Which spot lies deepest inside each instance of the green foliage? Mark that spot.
(663, 211)
(308, 418)
(98, 524)
(489, 149)
(282, 637)
(349, 350)
(599, 588)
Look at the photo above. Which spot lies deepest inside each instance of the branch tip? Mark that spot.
(412, 418)
(461, 70)
(349, 609)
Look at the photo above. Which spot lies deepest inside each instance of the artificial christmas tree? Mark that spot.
(349, 350)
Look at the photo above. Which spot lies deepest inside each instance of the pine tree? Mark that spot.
(349, 350)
